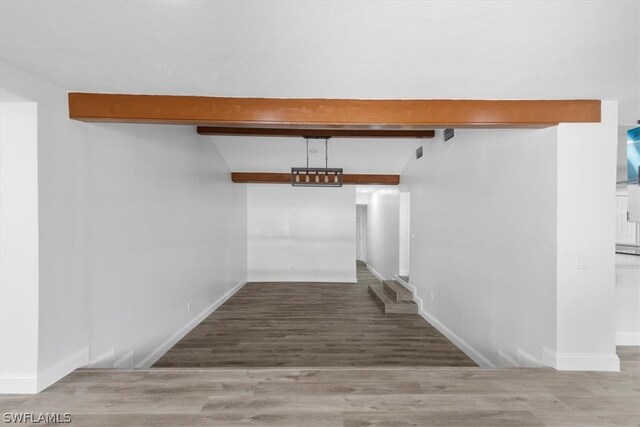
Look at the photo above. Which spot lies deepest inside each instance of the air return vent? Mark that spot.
(448, 134)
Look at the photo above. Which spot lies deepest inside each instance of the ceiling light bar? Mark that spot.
(317, 177)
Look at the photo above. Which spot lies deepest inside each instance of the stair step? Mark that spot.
(387, 302)
(397, 291)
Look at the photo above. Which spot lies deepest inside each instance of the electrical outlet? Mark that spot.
(188, 306)
(431, 296)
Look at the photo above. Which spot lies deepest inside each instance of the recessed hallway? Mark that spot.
(311, 325)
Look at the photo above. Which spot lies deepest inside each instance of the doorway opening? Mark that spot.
(404, 222)
(361, 233)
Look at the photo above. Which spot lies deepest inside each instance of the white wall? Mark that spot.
(483, 255)
(383, 232)
(167, 235)
(362, 198)
(18, 247)
(587, 157)
(627, 300)
(141, 234)
(513, 255)
(301, 233)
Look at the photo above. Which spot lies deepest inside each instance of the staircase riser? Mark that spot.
(394, 309)
(396, 295)
(376, 298)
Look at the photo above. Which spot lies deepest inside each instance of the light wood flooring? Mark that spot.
(311, 325)
(393, 396)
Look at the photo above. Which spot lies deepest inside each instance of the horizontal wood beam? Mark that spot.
(285, 178)
(407, 114)
(318, 132)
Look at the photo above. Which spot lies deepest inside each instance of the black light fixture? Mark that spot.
(317, 177)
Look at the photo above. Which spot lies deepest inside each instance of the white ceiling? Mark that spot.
(8, 96)
(279, 154)
(327, 49)
(440, 49)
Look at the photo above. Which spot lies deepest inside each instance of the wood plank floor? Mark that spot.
(311, 325)
(392, 396)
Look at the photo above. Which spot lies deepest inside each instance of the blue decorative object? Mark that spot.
(633, 154)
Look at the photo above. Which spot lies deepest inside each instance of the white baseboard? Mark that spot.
(35, 383)
(104, 360)
(581, 361)
(375, 273)
(526, 360)
(627, 338)
(125, 361)
(179, 334)
(506, 361)
(466, 348)
(303, 279)
(63, 368)
(548, 357)
(18, 383)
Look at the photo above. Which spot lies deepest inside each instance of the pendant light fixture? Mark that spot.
(317, 177)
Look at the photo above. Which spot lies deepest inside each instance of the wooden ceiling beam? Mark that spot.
(279, 113)
(318, 132)
(285, 178)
